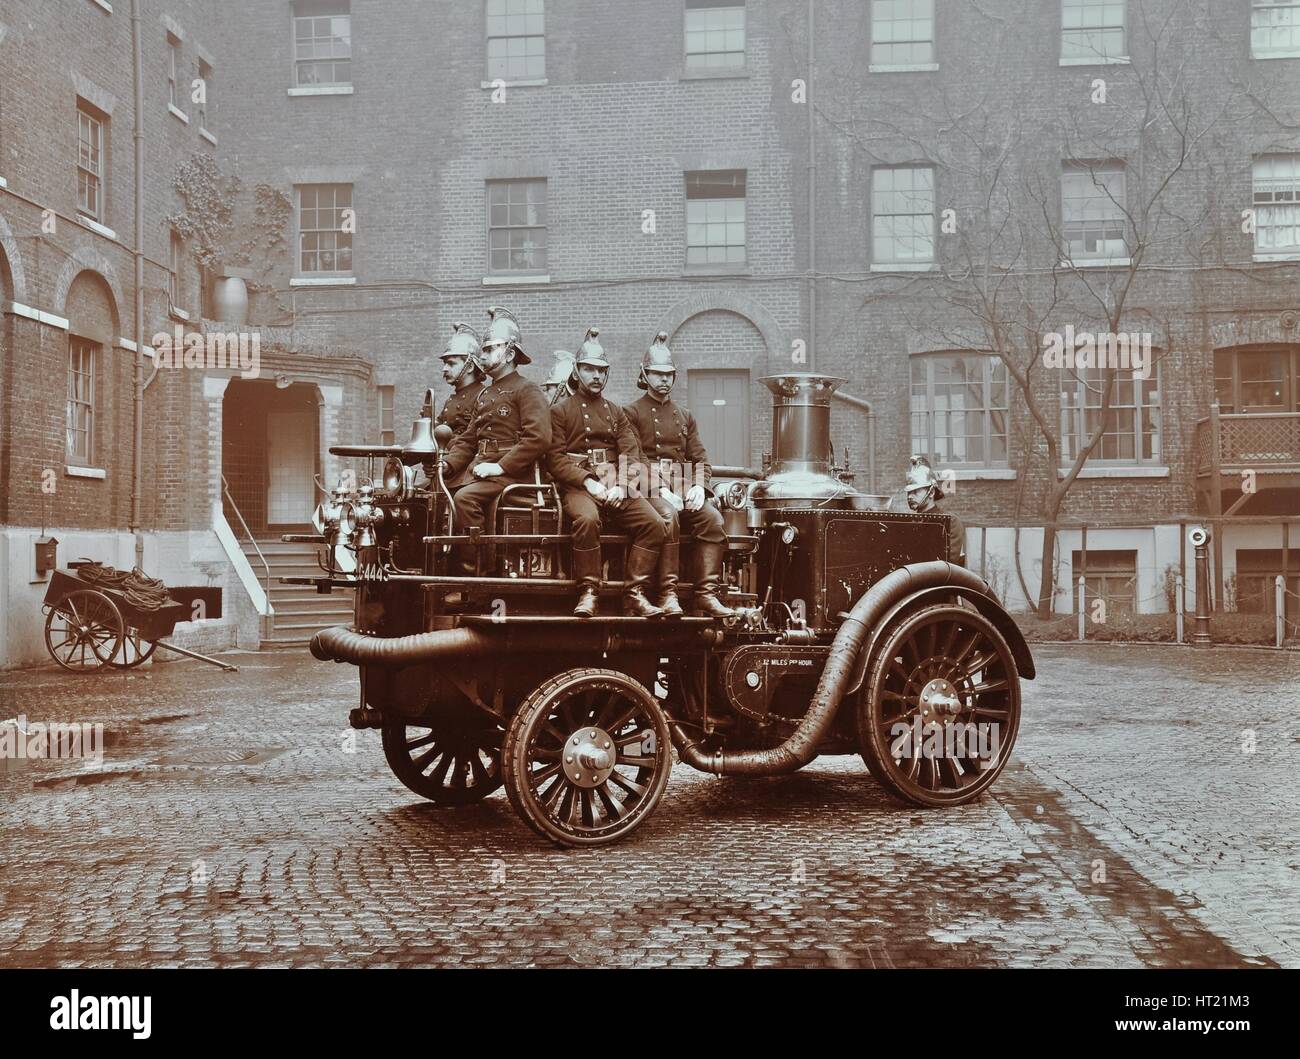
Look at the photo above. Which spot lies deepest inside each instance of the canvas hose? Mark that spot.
(138, 588)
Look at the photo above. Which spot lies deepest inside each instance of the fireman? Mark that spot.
(557, 386)
(923, 494)
(591, 442)
(507, 433)
(670, 442)
(461, 372)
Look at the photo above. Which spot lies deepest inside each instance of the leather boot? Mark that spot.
(641, 563)
(666, 579)
(586, 571)
(708, 579)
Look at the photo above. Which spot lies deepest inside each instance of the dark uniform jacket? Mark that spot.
(668, 431)
(580, 423)
(459, 409)
(510, 414)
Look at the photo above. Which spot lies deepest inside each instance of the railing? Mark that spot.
(1249, 439)
(266, 567)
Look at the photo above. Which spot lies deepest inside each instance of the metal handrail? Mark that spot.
(225, 488)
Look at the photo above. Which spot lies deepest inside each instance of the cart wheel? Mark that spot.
(449, 767)
(84, 631)
(134, 650)
(939, 712)
(587, 757)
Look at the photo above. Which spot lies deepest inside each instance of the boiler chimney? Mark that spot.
(802, 458)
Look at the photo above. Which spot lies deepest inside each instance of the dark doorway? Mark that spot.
(719, 401)
(270, 440)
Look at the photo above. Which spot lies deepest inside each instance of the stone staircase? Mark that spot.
(300, 611)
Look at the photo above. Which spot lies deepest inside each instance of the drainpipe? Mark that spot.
(137, 447)
(812, 196)
(865, 405)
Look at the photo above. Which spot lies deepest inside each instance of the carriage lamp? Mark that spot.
(368, 516)
(47, 555)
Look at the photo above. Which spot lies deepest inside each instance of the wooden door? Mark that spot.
(720, 402)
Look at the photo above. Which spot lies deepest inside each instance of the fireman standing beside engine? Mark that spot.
(509, 431)
(923, 494)
(589, 435)
(670, 442)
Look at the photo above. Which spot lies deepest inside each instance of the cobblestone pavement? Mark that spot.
(229, 826)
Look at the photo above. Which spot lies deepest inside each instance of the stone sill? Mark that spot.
(85, 472)
(1109, 262)
(95, 226)
(1128, 471)
(1282, 255)
(128, 345)
(1119, 60)
(502, 83)
(177, 313)
(1278, 55)
(323, 281)
(207, 136)
(691, 271)
(26, 311)
(978, 474)
(103, 5)
(177, 113)
(3, 182)
(904, 266)
(506, 281)
(729, 73)
(904, 68)
(321, 90)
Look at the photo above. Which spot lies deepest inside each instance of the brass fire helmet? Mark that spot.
(657, 358)
(464, 342)
(504, 330)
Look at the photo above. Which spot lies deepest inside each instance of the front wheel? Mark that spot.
(446, 763)
(587, 757)
(940, 710)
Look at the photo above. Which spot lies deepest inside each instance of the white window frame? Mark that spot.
(704, 220)
(97, 124)
(1084, 26)
(885, 214)
(1291, 8)
(313, 60)
(498, 26)
(386, 398)
(992, 403)
(1078, 387)
(1275, 194)
(534, 269)
(696, 12)
(299, 233)
(84, 368)
(175, 251)
(884, 33)
(1087, 184)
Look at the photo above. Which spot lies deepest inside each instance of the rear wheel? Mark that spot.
(84, 631)
(940, 710)
(448, 764)
(587, 757)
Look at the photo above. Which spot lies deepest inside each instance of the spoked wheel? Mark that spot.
(135, 650)
(940, 710)
(84, 632)
(587, 757)
(450, 764)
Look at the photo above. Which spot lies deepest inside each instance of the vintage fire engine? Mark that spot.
(852, 635)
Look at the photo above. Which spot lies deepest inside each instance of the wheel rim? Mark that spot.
(84, 631)
(135, 650)
(595, 759)
(445, 766)
(945, 705)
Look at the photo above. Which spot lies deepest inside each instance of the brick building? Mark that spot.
(402, 165)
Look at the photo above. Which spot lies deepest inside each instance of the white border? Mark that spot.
(321, 90)
(176, 112)
(210, 137)
(902, 68)
(19, 309)
(95, 226)
(1109, 471)
(85, 472)
(506, 281)
(515, 84)
(323, 281)
(105, 5)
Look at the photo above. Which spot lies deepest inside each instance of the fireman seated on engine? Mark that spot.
(670, 440)
(923, 494)
(590, 441)
(508, 432)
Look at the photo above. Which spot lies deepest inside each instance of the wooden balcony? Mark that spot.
(1265, 442)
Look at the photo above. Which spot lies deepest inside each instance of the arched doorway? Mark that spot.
(269, 447)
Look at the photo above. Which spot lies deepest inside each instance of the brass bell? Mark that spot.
(421, 443)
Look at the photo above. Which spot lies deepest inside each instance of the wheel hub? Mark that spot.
(589, 757)
(939, 700)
